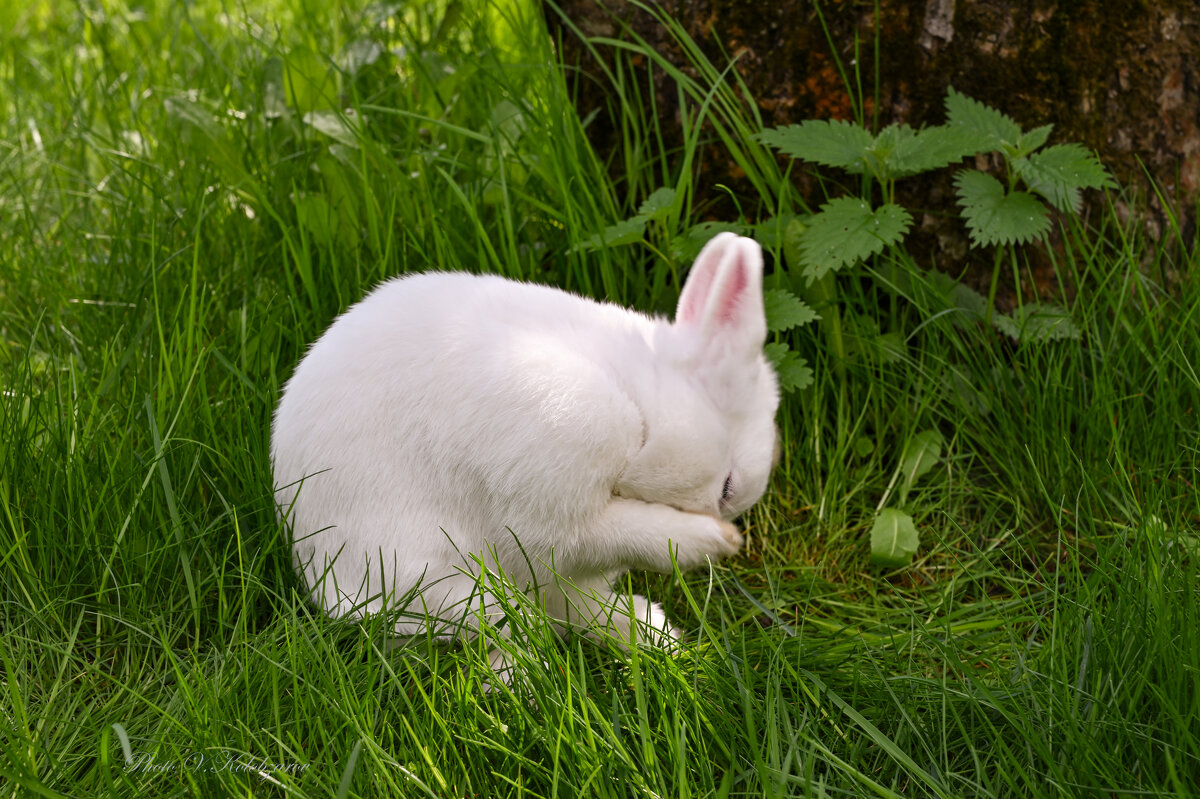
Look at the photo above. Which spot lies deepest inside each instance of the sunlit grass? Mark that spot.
(189, 193)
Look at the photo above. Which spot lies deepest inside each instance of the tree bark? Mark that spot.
(1121, 78)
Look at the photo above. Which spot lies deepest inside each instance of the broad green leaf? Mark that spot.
(1037, 321)
(968, 300)
(793, 247)
(993, 129)
(994, 217)
(933, 148)
(879, 154)
(829, 142)
(309, 81)
(360, 53)
(889, 347)
(770, 233)
(894, 538)
(792, 370)
(846, 231)
(686, 247)
(785, 310)
(863, 446)
(339, 127)
(921, 453)
(1032, 139)
(862, 338)
(627, 231)
(969, 398)
(1058, 173)
(509, 122)
(658, 204)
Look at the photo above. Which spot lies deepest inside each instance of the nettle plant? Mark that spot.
(850, 230)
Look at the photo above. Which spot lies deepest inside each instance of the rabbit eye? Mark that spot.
(727, 490)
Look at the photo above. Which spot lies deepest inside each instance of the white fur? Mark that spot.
(447, 417)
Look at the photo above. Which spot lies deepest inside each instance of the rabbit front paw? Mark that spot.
(707, 539)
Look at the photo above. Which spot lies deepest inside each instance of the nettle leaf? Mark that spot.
(889, 347)
(993, 129)
(996, 217)
(829, 142)
(658, 204)
(894, 538)
(846, 231)
(627, 231)
(861, 337)
(686, 247)
(1058, 173)
(922, 452)
(1032, 139)
(793, 246)
(1038, 322)
(785, 310)
(933, 148)
(792, 370)
(771, 233)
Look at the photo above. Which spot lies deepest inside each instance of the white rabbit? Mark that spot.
(451, 420)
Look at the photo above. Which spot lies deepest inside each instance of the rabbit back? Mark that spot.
(441, 415)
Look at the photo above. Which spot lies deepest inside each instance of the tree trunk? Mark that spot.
(1121, 78)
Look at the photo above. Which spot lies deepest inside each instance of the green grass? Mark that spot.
(185, 205)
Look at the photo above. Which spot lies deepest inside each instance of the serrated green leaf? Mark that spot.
(1037, 321)
(793, 247)
(785, 310)
(792, 370)
(686, 247)
(770, 232)
(894, 538)
(994, 130)
(846, 231)
(861, 338)
(658, 204)
(921, 453)
(969, 398)
(829, 142)
(889, 347)
(627, 231)
(1032, 139)
(933, 148)
(1058, 173)
(994, 217)
(971, 306)
(879, 155)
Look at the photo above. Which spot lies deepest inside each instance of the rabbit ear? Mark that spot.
(722, 296)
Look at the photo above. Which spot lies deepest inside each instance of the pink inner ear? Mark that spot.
(732, 290)
(696, 291)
